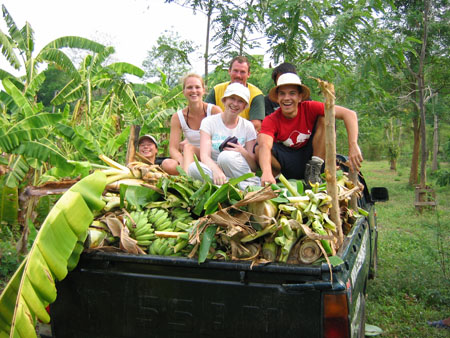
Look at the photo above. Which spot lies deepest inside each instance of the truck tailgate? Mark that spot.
(116, 295)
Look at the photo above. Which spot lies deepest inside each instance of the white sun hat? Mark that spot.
(150, 137)
(288, 79)
(238, 90)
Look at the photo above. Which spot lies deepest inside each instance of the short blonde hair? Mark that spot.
(187, 76)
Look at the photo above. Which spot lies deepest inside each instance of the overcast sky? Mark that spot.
(131, 26)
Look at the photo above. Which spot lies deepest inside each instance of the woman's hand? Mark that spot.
(181, 145)
(219, 177)
(236, 147)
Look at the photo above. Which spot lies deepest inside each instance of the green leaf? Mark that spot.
(372, 330)
(139, 196)
(20, 100)
(45, 153)
(12, 140)
(32, 287)
(205, 177)
(122, 68)
(336, 260)
(32, 233)
(18, 170)
(205, 244)
(9, 204)
(234, 181)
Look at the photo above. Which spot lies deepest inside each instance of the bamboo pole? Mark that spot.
(353, 176)
(330, 156)
(132, 143)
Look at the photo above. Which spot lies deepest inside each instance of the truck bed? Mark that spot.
(123, 295)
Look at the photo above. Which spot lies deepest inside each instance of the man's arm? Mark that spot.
(211, 97)
(351, 124)
(265, 143)
(257, 111)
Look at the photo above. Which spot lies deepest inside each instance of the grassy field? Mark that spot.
(412, 284)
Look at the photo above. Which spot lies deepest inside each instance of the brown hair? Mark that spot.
(240, 59)
(187, 76)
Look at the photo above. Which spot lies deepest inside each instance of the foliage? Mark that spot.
(171, 56)
(235, 24)
(56, 250)
(412, 285)
(442, 177)
(55, 79)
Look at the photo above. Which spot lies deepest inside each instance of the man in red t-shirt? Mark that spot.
(292, 139)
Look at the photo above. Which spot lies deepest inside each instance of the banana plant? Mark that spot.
(55, 251)
(109, 81)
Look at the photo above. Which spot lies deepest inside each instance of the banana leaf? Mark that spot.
(9, 203)
(55, 249)
(205, 244)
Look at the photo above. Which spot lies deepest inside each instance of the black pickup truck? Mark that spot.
(122, 295)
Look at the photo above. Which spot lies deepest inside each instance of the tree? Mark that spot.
(171, 56)
(236, 22)
(208, 8)
(426, 23)
(55, 79)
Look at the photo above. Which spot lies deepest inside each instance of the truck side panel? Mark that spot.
(123, 304)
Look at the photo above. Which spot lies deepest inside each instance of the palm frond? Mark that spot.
(77, 142)
(129, 101)
(122, 68)
(72, 91)
(76, 42)
(13, 30)
(8, 52)
(37, 121)
(12, 140)
(35, 84)
(9, 203)
(19, 99)
(113, 144)
(18, 169)
(28, 39)
(45, 153)
(61, 59)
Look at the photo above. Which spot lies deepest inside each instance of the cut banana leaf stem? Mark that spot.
(288, 185)
(113, 163)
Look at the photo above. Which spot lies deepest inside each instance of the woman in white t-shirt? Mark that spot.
(235, 159)
(186, 122)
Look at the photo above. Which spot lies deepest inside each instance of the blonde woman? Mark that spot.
(186, 122)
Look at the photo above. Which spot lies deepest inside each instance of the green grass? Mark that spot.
(412, 285)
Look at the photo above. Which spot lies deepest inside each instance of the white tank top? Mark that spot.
(192, 135)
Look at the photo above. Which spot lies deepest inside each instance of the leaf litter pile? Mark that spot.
(150, 212)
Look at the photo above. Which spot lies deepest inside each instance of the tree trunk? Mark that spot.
(413, 175)
(421, 82)
(330, 157)
(434, 166)
(393, 162)
(208, 28)
(132, 143)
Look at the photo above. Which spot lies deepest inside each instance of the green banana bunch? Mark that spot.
(181, 214)
(143, 232)
(163, 247)
(160, 219)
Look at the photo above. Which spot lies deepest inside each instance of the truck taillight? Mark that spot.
(335, 316)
